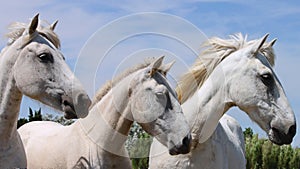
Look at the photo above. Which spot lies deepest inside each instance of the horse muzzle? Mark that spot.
(75, 107)
(279, 137)
(182, 148)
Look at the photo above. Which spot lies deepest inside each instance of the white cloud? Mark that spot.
(138, 32)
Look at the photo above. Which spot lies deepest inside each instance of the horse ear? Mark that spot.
(53, 25)
(155, 65)
(272, 42)
(165, 68)
(256, 47)
(34, 23)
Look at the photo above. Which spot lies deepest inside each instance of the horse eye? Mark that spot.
(159, 93)
(266, 78)
(45, 57)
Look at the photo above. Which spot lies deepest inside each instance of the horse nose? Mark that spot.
(186, 144)
(183, 148)
(292, 131)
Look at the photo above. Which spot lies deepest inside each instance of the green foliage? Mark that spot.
(58, 119)
(270, 155)
(248, 133)
(37, 116)
(138, 145)
(262, 154)
(21, 122)
(295, 161)
(254, 152)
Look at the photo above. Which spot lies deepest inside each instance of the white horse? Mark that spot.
(229, 73)
(32, 65)
(141, 94)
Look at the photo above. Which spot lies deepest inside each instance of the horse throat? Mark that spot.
(108, 122)
(204, 109)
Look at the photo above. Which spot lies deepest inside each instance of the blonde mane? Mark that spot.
(109, 84)
(217, 49)
(18, 28)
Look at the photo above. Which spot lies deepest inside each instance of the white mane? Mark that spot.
(217, 50)
(109, 84)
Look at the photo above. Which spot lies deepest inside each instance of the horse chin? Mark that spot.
(69, 112)
(182, 148)
(279, 138)
(175, 151)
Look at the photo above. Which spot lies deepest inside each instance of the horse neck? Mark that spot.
(107, 124)
(10, 96)
(204, 109)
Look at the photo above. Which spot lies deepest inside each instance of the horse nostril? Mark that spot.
(186, 140)
(65, 102)
(292, 130)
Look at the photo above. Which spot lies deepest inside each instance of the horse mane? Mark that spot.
(217, 49)
(18, 28)
(109, 84)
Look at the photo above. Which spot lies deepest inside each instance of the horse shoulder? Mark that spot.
(37, 128)
(228, 122)
(234, 143)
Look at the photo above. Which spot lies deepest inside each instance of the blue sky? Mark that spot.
(81, 21)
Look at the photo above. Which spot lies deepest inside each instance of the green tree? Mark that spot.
(138, 146)
(21, 122)
(248, 133)
(58, 119)
(262, 154)
(295, 161)
(36, 116)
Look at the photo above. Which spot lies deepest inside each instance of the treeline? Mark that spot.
(138, 146)
(36, 115)
(262, 154)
